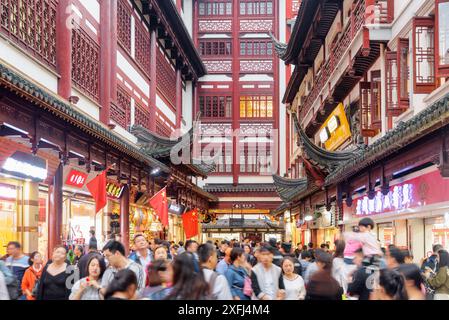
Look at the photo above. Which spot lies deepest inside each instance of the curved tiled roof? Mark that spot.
(56, 105)
(327, 160)
(428, 120)
(288, 189)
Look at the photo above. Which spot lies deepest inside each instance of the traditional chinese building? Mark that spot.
(75, 78)
(368, 103)
(239, 100)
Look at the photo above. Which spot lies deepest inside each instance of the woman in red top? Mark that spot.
(32, 274)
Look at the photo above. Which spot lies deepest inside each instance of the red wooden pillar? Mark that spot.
(179, 5)
(64, 48)
(276, 103)
(55, 211)
(105, 60)
(236, 93)
(113, 59)
(178, 97)
(124, 217)
(153, 63)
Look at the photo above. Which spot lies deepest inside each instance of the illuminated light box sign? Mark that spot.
(335, 130)
(424, 190)
(27, 166)
(114, 190)
(76, 178)
(399, 198)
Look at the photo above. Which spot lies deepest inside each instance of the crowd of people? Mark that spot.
(356, 268)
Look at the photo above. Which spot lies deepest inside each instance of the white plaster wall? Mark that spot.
(187, 15)
(282, 140)
(215, 78)
(132, 74)
(162, 106)
(256, 179)
(28, 66)
(187, 106)
(93, 7)
(123, 133)
(86, 105)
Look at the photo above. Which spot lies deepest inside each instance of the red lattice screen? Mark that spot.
(143, 47)
(142, 116)
(85, 63)
(166, 78)
(124, 24)
(162, 129)
(120, 113)
(32, 25)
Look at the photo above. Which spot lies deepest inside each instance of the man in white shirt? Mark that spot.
(114, 252)
(218, 283)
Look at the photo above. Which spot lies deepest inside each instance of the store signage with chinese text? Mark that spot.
(335, 130)
(114, 190)
(424, 190)
(76, 178)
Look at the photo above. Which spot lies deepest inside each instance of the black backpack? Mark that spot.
(13, 289)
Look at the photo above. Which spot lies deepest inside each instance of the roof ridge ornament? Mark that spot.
(279, 47)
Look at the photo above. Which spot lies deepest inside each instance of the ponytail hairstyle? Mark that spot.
(393, 284)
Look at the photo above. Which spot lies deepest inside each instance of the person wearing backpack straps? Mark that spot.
(32, 275)
(238, 277)
(208, 259)
(440, 282)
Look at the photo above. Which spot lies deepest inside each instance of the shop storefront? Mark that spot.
(414, 214)
(22, 206)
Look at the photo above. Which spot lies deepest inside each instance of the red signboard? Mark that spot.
(76, 178)
(424, 190)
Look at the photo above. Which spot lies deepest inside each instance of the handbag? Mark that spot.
(247, 287)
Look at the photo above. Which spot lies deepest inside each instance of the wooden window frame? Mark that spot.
(442, 70)
(206, 3)
(425, 54)
(402, 104)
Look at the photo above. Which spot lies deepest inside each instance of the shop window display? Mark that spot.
(10, 198)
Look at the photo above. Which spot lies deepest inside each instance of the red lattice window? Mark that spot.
(442, 37)
(424, 55)
(215, 47)
(32, 25)
(85, 63)
(165, 78)
(396, 103)
(256, 7)
(143, 47)
(215, 106)
(162, 129)
(218, 153)
(370, 106)
(256, 159)
(120, 113)
(124, 13)
(142, 116)
(256, 107)
(256, 48)
(215, 7)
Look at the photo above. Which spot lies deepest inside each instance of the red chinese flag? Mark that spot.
(190, 223)
(159, 204)
(97, 188)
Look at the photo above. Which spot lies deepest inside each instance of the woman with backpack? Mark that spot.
(238, 277)
(440, 282)
(32, 275)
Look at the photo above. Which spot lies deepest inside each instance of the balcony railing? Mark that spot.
(364, 12)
